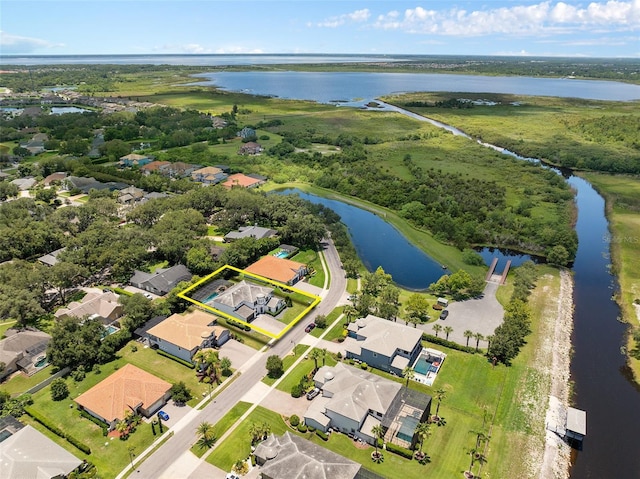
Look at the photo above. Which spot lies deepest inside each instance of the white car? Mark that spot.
(148, 295)
(231, 475)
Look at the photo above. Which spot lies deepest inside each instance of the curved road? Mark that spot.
(161, 460)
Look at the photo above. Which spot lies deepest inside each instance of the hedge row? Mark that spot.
(322, 435)
(96, 421)
(176, 359)
(400, 451)
(54, 429)
(448, 344)
(238, 325)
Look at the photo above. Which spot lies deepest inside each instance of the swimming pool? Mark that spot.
(209, 298)
(281, 254)
(422, 366)
(40, 362)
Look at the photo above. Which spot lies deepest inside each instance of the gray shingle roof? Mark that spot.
(385, 337)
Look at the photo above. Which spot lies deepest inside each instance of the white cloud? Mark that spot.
(358, 16)
(16, 44)
(542, 18)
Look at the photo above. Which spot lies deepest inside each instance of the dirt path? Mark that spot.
(556, 352)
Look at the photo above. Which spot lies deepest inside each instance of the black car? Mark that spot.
(313, 393)
(444, 314)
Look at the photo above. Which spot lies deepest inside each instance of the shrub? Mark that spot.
(302, 427)
(296, 390)
(294, 420)
(400, 451)
(54, 429)
(322, 435)
(448, 344)
(364, 366)
(79, 374)
(176, 359)
(59, 389)
(311, 429)
(96, 421)
(339, 355)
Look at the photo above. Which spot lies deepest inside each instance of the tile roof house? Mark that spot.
(383, 344)
(182, 335)
(244, 300)
(293, 457)
(128, 389)
(27, 453)
(209, 175)
(50, 259)
(278, 269)
(154, 166)
(162, 281)
(20, 350)
(250, 148)
(54, 177)
(353, 401)
(242, 181)
(178, 169)
(130, 195)
(24, 184)
(98, 305)
(257, 232)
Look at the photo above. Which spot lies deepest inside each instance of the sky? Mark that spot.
(609, 28)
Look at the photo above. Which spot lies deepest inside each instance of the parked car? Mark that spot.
(444, 314)
(309, 327)
(148, 295)
(313, 393)
(163, 415)
(231, 475)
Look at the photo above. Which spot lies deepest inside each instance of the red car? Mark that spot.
(309, 327)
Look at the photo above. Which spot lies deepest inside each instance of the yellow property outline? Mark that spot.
(314, 303)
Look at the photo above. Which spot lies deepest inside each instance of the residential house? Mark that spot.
(257, 232)
(22, 350)
(292, 457)
(24, 184)
(278, 269)
(162, 281)
(245, 300)
(250, 148)
(130, 195)
(154, 166)
(87, 184)
(247, 133)
(128, 389)
(154, 195)
(209, 175)
(178, 169)
(182, 335)
(383, 344)
(36, 144)
(218, 123)
(27, 453)
(242, 181)
(54, 178)
(353, 401)
(104, 306)
(132, 159)
(50, 259)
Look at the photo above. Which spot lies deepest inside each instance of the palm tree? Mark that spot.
(315, 355)
(225, 365)
(437, 328)
(468, 334)
(255, 431)
(378, 433)
(207, 435)
(408, 374)
(324, 355)
(441, 394)
(479, 337)
(350, 312)
(489, 339)
(448, 330)
(123, 429)
(423, 431)
(472, 452)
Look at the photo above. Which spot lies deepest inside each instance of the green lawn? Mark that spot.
(161, 264)
(312, 259)
(287, 361)
(4, 326)
(20, 383)
(303, 369)
(334, 332)
(224, 424)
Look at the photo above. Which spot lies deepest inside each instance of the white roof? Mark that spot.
(577, 421)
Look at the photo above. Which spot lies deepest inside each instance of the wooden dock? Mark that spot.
(505, 272)
(491, 269)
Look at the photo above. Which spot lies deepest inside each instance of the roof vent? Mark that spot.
(328, 376)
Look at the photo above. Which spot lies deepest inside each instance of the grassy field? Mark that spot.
(334, 332)
(224, 424)
(622, 194)
(552, 128)
(287, 361)
(4, 326)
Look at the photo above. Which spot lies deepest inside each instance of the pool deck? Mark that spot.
(431, 376)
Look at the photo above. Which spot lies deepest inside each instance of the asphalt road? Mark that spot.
(160, 461)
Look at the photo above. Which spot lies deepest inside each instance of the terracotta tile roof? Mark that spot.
(186, 331)
(127, 388)
(240, 180)
(278, 269)
(154, 165)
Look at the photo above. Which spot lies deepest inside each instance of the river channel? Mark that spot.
(598, 370)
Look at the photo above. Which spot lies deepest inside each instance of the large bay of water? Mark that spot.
(356, 89)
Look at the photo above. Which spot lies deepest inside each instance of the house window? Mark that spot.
(375, 355)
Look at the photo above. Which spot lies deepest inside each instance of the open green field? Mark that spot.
(622, 195)
(564, 131)
(224, 424)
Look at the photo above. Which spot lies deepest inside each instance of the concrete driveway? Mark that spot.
(482, 315)
(237, 352)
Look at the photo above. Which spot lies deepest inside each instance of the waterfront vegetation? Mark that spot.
(622, 196)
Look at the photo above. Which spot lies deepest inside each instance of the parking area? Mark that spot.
(479, 315)
(175, 413)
